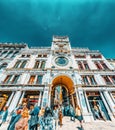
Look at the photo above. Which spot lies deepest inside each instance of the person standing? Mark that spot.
(96, 112)
(48, 118)
(41, 118)
(56, 117)
(4, 115)
(30, 121)
(79, 115)
(60, 117)
(62, 109)
(48, 112)
(72, 113)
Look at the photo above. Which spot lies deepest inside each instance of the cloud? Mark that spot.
(88, 23)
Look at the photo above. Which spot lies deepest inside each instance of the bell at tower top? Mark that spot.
(60, 39)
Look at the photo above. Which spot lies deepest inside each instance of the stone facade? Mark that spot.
(59, 74)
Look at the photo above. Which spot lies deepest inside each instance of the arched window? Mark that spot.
(3, 66)
(15, 53)
(17, 64)
(23, 64)
(9, 53)
(4, 53)
(32, 78)
(36, 66)
(39, 79)
(42, 65)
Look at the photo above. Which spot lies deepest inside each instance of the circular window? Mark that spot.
(61, 61)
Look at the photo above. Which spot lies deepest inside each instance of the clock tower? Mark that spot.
(61, 51)
(61, 45)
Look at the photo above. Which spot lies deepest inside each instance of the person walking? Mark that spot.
(22, 124)
(79, 115)
(4, 115)
(15, 118)
(33, 121)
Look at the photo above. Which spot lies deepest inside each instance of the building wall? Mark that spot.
(79, 64)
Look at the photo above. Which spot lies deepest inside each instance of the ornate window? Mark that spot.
(7, 79)
(97, 64)
(96, 56)
(32, 79)
(107, 80)
(3, 66)
(17, 64)
(36, 66)
(42, 65)
(89, 80)
(35, 79)
(80, 65)
(39, 79)
(86, 65)
(15, 53)
(104, 65)
(23, 64)
(15, 79)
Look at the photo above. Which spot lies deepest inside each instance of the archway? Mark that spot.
(63, 91)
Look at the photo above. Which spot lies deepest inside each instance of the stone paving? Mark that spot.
(97, 125)
(70, 125)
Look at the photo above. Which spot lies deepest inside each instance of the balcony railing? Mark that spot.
(19, 83)
(86, 83)
(109, 83)
(10, 83)
(35, 83)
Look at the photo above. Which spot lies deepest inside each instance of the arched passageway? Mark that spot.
(63, 91)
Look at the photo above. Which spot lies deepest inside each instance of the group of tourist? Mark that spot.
(34, 117)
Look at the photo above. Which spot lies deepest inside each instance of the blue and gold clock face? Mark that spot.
(61, 61)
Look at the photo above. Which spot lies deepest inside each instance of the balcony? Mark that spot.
(109, 83)
(86, 83)
(18, 85)
(10, 83)
(34, 84)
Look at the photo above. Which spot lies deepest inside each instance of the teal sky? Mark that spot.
(88, 23)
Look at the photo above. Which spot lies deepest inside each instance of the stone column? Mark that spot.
(49, 94)
(73, 101)
(84, 107)
(23, 93)
(40, 63)
(109, 101)
(45, 99)
(10, 99)
(112, 97)
(82, 101)
(40, 98)
(78, 101)
(88, 106)
(14, 101)
(88, 80)
(107, 107)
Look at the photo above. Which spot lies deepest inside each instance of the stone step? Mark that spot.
(71, 125)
